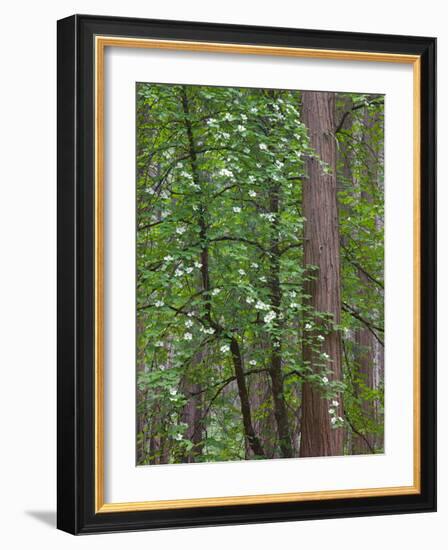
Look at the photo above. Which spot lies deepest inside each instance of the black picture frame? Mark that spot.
(76, 255)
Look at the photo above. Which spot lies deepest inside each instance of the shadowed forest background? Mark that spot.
(260, 255)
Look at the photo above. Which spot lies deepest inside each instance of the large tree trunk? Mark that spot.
(321, 249)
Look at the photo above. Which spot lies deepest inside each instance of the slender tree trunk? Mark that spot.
(260, 393)
(192, 414)
(321, 249)
(275, 370)
(365, 341)
(249, 431)
(142, 416)
(364, 360)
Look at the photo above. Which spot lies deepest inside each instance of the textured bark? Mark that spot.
(321, 249)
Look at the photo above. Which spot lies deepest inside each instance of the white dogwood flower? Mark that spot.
(270, 216)
(269, 317)
(225, 348)
(226, 172)
(188, 336)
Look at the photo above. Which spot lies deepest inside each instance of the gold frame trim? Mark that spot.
(101, 42)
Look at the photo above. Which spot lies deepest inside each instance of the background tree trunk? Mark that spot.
(321, 249)
(366, 344)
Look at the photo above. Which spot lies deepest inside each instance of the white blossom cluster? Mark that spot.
(269, 317)
(333, 412)
(262, 306)
(225, 172)
(270, 216)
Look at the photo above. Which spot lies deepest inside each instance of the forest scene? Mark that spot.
(260, 274)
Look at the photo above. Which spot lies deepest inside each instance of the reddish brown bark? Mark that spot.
(321, 249)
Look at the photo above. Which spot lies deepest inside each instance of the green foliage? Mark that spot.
(219, 259)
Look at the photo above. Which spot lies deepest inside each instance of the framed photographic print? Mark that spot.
(246, 270)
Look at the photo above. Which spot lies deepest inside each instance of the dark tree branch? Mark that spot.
(227, 381)
(358, 266)
(370, 326)
(358, 433)
(378, 101)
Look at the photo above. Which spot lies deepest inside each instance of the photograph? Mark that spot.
(259, 273)
(246, 269)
